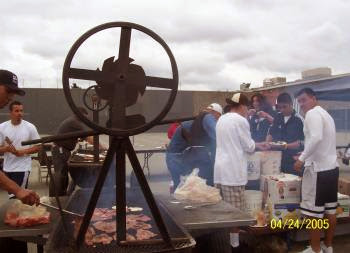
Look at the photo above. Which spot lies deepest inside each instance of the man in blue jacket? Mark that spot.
(193, 146)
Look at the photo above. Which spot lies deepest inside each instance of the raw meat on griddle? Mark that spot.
(142, 225)
(102, 238)
(103, 214)
(129, 237)
(142, 234)
(138, 217)
(21, 215)
(106, 226)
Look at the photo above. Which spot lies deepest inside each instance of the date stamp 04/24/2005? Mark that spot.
(306, 223)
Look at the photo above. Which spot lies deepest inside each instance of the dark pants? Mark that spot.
(176, 167)
(11, 245)
(60, 158)
(201, 159)
(21, 178)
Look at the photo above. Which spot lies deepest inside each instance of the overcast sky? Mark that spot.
(217, 44)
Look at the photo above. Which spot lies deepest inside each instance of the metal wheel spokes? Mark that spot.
(92, 101)
(120, 80)
(97, 75)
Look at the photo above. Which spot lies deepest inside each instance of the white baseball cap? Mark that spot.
(215, 107)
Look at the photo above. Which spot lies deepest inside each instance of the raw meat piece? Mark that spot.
(21, 215)
(142, 234)
(138, 217)
(103, 214)
(105, 226)
(102, 238)
(142, 225)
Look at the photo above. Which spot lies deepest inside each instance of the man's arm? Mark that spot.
(246, 140)
(7, 148)
(32, 149)
(26, 196)
(28, 151)
(293, 145)
(90, 140)
(209, 125)
(313, 123)
(300, 136)
(268, 138)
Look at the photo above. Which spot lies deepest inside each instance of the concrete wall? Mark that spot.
(46, 108)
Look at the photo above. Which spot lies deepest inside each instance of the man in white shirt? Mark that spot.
(233, 143)
(8, 89)
(17, 160)
(320, 177)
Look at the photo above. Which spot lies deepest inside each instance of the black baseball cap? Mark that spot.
(10, 80)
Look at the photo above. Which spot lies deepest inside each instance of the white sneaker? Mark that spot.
(326, 249)
(309, 250)
(234, 239)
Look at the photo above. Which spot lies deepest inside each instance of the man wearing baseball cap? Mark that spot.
(233, 143)
(193, 146)
(202, 142)
(9, 88)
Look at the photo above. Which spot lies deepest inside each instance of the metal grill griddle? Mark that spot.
(60, 241)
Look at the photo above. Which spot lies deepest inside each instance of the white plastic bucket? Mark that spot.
(253, 166)
(270, 162)
(253, 201)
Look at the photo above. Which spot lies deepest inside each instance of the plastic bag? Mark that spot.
(194, 188)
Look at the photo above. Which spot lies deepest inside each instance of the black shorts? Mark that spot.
(319, 192)
(21, 178)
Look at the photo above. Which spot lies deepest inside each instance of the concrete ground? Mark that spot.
(159, 182)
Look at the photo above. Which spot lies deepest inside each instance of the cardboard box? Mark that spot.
(344, 185)
(343, 210)
(284, 211)
(283, 188)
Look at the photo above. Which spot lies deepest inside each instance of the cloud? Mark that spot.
(217, 45)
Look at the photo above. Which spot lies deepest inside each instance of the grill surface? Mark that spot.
(60, 241)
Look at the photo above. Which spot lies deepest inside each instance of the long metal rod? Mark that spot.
(96, 193)
(81, 134)
(168, 121)
(61, 137)
(148, 193)
(96, 137)
(63, 210)
(120, 191)
(52, 181)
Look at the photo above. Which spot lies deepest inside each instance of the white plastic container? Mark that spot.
(253, 166)
(270, 162)
(253, 201)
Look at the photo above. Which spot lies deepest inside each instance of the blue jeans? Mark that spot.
(176, 167)
(199, 157)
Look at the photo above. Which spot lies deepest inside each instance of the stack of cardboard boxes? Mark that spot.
(282, 192)
(343, 197)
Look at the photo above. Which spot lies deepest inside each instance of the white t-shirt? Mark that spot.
(320, 140)
(233, 143)
(25, 131)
